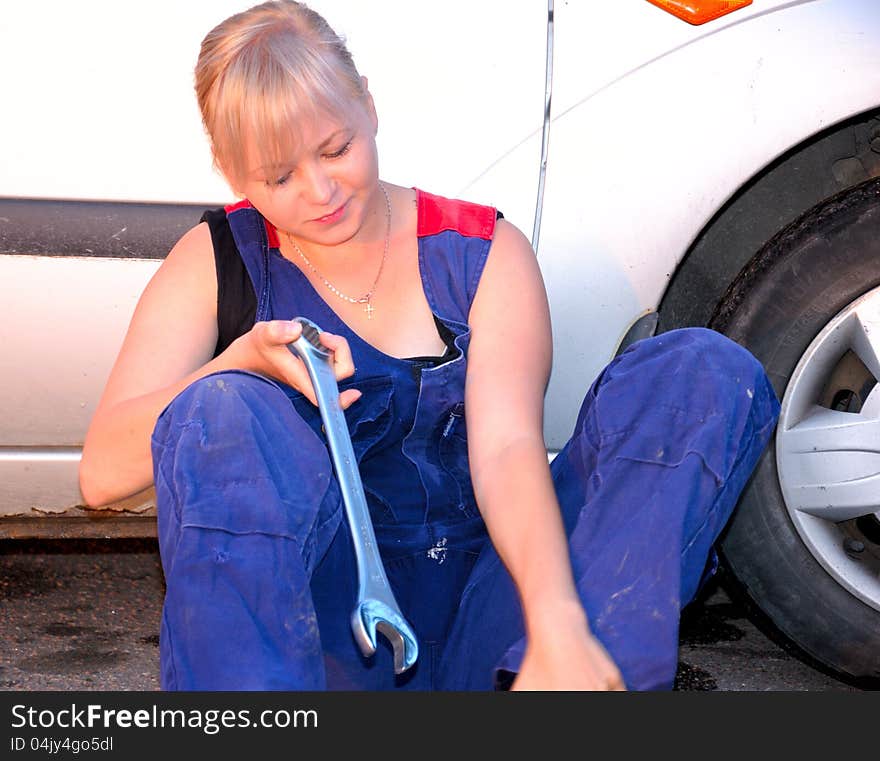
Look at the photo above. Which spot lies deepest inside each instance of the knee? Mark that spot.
(694, 371)
(223, 394)
(727, 374)
(234, 415)
(687, 392)
(227, 406)
(232, 453)
(712, 352)
(688, 356)
(690, 352)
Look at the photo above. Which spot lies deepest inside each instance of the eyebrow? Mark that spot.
(332, 137)
(285, 165)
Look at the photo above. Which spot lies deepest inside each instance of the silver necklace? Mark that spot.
(367, 297)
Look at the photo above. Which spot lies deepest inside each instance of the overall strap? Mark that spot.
(253, 237)
(454, 240)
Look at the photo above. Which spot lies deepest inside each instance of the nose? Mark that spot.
(318, 186)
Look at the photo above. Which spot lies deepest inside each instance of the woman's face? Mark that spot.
(323, 195)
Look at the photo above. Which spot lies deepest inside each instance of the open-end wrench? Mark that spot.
(376, 607)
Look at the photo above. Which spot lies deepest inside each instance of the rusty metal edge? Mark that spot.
(91, 525)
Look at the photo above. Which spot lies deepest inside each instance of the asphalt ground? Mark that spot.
(84, 615)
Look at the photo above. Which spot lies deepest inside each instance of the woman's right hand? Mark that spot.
(263, 349)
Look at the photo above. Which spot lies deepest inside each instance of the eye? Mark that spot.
(279, 182)
(341, 152)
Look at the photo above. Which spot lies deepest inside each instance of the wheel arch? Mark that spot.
(822, 165)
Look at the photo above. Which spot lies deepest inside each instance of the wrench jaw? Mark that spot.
(371, 615)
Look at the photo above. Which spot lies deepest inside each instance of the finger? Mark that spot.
(284, 331)
(349, 397)
(299, 380)
(287, 367)
(292, 371)
(276, 332)
(343, 364)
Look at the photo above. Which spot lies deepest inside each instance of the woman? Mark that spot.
(427, 303)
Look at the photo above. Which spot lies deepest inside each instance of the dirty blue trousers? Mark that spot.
(258, 559)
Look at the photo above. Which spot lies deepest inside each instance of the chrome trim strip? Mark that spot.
(40, 454)
(545, 134)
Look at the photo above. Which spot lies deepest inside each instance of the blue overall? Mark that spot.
(257, 555)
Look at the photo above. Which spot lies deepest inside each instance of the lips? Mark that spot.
(333, 216)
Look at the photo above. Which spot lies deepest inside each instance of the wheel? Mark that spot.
(804, 542)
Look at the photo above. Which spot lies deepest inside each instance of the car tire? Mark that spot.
(803, 306)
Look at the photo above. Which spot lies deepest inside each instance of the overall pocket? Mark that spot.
(453, 457)
(368, 419)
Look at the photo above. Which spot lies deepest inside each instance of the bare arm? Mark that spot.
(508, 369)
(169, 344)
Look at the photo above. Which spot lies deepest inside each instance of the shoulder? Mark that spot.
(508, 237)
(437, 214)
(511, 253)
(195, 243)
(511, 267)
(190, 263)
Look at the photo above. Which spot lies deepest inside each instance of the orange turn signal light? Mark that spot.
(700, 11)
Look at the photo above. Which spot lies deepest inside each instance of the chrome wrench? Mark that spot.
(376, 607)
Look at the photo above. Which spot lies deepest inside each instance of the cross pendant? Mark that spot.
(369, 310)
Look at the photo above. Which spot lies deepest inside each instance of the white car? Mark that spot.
(716, 173)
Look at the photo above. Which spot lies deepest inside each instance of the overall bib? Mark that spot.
(258, 560)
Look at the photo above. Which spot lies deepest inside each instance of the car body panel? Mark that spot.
(64, 320)
(70, 324)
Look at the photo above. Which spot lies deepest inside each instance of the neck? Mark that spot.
(341, 275)
(367, 242)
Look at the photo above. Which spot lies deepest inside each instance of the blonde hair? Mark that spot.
(262, 71)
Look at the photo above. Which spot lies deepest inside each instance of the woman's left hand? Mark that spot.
(564, 655)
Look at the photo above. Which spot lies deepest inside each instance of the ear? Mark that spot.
(370, 105)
